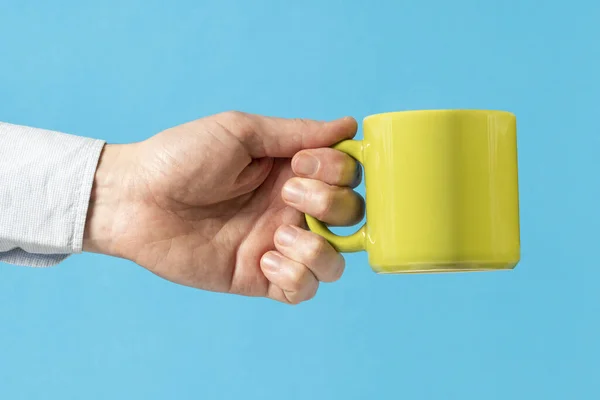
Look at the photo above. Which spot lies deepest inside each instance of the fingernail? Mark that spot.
(272, 262)
(286, 236)
(306, 164)
(293, 192)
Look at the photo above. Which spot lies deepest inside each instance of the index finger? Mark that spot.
(280, 137)
(328, 165)
(284, 137)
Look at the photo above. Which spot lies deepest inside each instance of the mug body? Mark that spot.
(441, 191)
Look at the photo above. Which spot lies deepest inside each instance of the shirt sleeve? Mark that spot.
(46, 179)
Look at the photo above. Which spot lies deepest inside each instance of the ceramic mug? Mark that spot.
(441, 192)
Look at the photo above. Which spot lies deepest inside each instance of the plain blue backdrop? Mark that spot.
(102, 328)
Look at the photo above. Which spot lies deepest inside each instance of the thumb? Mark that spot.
(281, 137)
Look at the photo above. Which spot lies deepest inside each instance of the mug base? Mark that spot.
(433, 268)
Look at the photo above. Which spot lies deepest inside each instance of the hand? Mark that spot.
(218, 203)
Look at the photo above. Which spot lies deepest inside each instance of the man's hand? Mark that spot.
(218, 203)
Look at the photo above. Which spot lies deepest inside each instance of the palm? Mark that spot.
(206, 223)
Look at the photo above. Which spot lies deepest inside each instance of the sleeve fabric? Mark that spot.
(46, 180)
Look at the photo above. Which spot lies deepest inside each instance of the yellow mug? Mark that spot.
(441, 192)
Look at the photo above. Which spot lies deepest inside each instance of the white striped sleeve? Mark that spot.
(46, 179)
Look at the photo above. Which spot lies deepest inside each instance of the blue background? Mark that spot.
(102, 328)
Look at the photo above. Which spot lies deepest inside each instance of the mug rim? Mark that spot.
(441, 110)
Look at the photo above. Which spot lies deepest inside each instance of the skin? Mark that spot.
(217, 204)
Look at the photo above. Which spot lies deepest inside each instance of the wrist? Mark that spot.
(107, 198)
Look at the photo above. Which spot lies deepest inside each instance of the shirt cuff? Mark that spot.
(46, 179)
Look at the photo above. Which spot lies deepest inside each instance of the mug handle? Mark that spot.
(356, 241)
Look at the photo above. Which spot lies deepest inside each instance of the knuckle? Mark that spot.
(324, 203)
(338, 268)
(345, 161)
(340, 170)
(234, 115)
(312, 293)
(315, 247)
(297, 297)
(297, 279)
(239, 123)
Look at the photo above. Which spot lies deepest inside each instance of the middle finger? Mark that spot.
(333, 205)
(328, 165)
